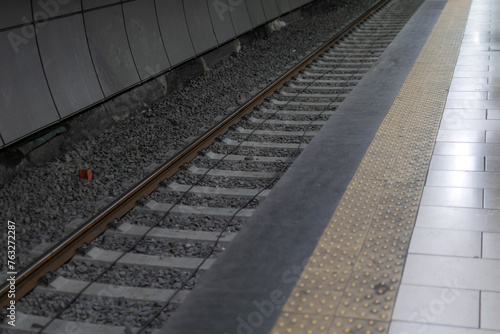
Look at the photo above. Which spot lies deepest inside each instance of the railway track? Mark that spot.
(157, 240)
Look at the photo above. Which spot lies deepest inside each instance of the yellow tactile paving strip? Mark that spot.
(350, 283)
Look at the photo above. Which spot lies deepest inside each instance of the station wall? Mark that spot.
(59, 57)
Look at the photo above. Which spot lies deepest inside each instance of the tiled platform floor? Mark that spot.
(451, 282)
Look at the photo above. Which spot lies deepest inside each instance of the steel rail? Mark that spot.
(59, 254)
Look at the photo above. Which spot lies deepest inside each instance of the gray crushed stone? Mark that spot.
(344, 84)
(158, 247)
(178, 249)
(138, 217)
(208, 223)
(42, 200)
(44, 304)
(269, 139)
(249, 166)
(119, 157)
(223, 182)
(155, 278)
(197, 200)
(287, 127)
(80, 270)
(116, 312)
(256, 151)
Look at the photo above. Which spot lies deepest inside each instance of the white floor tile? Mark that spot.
(491, 246)
(459, 272)
(490, 310)
(399, 327)
(445, 306)
(455, 197)
(446, 242)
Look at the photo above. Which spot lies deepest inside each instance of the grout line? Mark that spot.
(483, 199)
(445, 286)
(480, 297)
(482, 244)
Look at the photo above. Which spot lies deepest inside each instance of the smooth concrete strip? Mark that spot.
(319, 88)
(347, 76)
(313, 96)
(277, 133)
(249, 159)
(32, 324)
(205, 211)
(280, 122)
(324, 61)
(348, 48)
(347, 54)
(108, 257)
(101, 290)
(305, 104)
(339, 69)
(183, 263)
(231, 192)
(198, 211)
(193, 236)
(269, 145)
(132, 230)
(297, 112)
(232, 173)
(332, 82)
(336, 57)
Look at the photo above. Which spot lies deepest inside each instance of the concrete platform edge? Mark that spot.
(249, 283)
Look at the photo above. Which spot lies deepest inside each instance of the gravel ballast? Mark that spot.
(43, 200)
(144, 252)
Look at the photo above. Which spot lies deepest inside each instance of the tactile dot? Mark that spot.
(353, 325)
(366, 242)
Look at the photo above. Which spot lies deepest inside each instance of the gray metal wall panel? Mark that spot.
(296, 3)
(239, 15)
(174, 30)
(221, 20)
(53, 8)
(256, 12)
(145, 38)
(270, 9)
(68, 66)
(15, 12)
(283, 6)
(110, 50)
(199, 25)
(25, 102)
(88, 4)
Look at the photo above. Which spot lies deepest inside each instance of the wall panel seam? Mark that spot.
(43, 66)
